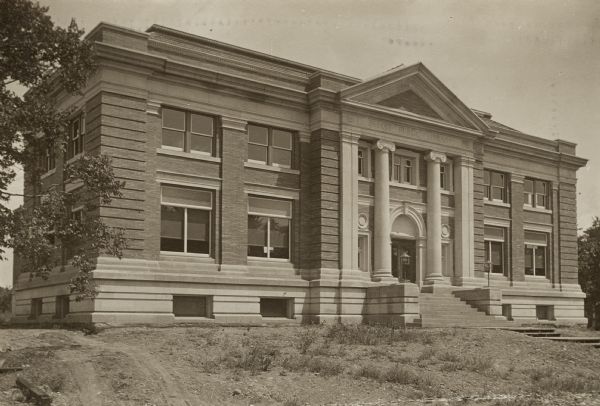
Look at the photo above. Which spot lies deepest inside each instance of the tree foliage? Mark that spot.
(48, 60)
(589, 271)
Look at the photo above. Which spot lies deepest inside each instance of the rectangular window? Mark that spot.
(270, 146)
(191, 306)
(273, 307)
(363, 252)
(48, 159)
(363, 162)
(495, 186)
(187, 131)
(269, 223)
(36, 308)
(185, 220)
(403, 169)
(536, 193)
(76, 137)
(62, 305)
(443, 177)
(495, 248)
(536, 246)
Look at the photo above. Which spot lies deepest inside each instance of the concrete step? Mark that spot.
(543, 335)
(532, 329)
(587, 340)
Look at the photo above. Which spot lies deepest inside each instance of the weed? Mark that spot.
(370, 371)
(325, 366)
(292, 402)
(476, 363)
(448, 357)
(562, 383)
(401, 375)
(426, 354)
(256, 356)
(540, 373)
(306, 338)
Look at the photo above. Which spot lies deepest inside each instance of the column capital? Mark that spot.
(517, 178)
(386, 146)
(436, 156)
(349, 137)
(234, 123)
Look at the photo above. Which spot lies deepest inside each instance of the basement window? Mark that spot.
(191, 306)
(36, 308)
(544, 312)
(273, 307)
(507, 311)
(62, 306)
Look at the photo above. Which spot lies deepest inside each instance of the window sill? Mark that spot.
(71, 186)
(255, 165)
(189, 155)
(496, 203)
(74, 158)
(47, 174)
(406, 186)
(269, 260)
(363, 179)
(187, 255)
(536, 278)
(537, 210)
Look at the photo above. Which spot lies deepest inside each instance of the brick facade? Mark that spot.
(124, 105)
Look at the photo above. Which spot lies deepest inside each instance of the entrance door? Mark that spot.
(400, 270)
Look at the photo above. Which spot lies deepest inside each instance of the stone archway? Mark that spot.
(408, 224)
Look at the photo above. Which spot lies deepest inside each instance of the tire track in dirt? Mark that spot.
(168, 388)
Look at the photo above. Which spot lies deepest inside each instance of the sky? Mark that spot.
(533, 64)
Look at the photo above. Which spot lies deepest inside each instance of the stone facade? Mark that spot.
(370, 193)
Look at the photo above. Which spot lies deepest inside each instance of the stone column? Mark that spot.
(464, 240)
(434, 219)
(349, 201)
(383, 243)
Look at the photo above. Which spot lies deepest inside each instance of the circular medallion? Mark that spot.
(445, 231)
(363, 221)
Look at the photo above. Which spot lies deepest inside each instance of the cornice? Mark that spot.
(233, 123)
(387, 113)
(512, 148)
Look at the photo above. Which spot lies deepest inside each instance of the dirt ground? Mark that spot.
(290, 366)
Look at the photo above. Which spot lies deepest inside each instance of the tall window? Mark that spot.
(269, 227)
(363, 252)
(536, 247)
(185, 219)
(186, 131)
(270, 146)
(363, 162)
(48, 159)
(494, 238)
(403, 169)
(495, 186)
(535, 193)
(76, 137)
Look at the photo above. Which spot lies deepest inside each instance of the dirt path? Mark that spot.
(152, 374)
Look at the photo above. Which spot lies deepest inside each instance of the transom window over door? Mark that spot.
(269, 222)
(187, 131)
(536, 250)
(270, 146)
(494, 239)
(185, 219)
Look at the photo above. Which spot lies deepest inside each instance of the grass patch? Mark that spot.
(255, 356)
(307, 363)
(365, 334)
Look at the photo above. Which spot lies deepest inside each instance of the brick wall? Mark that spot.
(478, 213)
(320, 190)
(517, 245)
(567, 221)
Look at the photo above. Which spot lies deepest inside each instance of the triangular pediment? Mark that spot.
(415, 91)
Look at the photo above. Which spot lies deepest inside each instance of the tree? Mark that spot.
(48, 60)
(589, 271)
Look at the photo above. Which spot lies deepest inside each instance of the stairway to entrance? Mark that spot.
(443, 309)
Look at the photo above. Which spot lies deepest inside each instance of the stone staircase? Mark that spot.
(443, 309)
(553, 335)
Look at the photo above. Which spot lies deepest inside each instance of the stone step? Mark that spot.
(588, 340)
(543, 334)
(532, 329)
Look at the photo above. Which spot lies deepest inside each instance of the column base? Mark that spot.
(436, 283)
(385, 278)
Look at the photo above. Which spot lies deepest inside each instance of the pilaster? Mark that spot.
(349, 201)
(234, 203)
(434, 219)
(517, 234)
(464, 240)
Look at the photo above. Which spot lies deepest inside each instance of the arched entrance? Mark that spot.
(408, 241)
